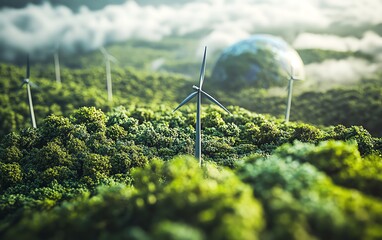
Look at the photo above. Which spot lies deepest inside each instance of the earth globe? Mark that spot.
(261, 61)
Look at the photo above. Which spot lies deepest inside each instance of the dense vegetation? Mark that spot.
(116, 175)
(354, 105)
(79, 88)
(123, 170)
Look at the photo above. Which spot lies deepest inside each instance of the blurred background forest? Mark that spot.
(137, 80)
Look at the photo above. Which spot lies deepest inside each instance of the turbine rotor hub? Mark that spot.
(195, 87)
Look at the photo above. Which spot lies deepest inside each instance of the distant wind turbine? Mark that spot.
(57, 67)
(292, 78)
(198, 93)
(108, 57)
(27, 82)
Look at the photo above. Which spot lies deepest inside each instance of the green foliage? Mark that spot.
(319, 55)
(10, 174)
(50, 155)
(56, 127)
(11, 154)
(54, 171)
(359, 134)
(96, 166)
(302, 203)
(57, 173)
(93, 119)
(173, 231)
(341, 161)
(239, 71)
(103, 172)
(205, 203)
(85, 87)
(358, 105)
(307, 133)
(229, 205)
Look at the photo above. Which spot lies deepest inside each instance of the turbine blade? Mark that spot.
(112, 58)
(103, 51)
(186, 100)
(22, 85)
(203, 68)
(298, 79)
(292, 71)
(292, 76)
(33, 84)
(107, 55)
(215, 101)
(28, 68)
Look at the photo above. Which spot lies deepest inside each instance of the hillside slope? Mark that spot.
(112, 175)
(354, 105)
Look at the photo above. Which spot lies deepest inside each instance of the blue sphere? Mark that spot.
(262, 61)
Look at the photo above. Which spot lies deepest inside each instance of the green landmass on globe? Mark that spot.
(261, 61)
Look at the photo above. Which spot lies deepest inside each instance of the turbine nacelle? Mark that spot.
(26, 81)
(195, 87)
(293, 78)
(108, 56)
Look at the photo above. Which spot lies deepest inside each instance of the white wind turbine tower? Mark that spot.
(198, 93)
(57, 67)
(27, 82)
(108, 57)
(292, 78)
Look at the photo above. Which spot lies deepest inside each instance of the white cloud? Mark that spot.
(370, 43)
(353, 12)
(325, 41)
(39, 27)
(336, 72)
(223, 37)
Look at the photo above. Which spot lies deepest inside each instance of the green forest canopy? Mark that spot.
(119, 175)
(94, 169)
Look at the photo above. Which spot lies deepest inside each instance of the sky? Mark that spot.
(341, 25)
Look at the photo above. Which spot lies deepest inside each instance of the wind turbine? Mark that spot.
(292, 78)
(198, 93)
(29, 83)
(57, 67)
(108, 57)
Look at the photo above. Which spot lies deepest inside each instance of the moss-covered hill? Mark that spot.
(120, 175)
